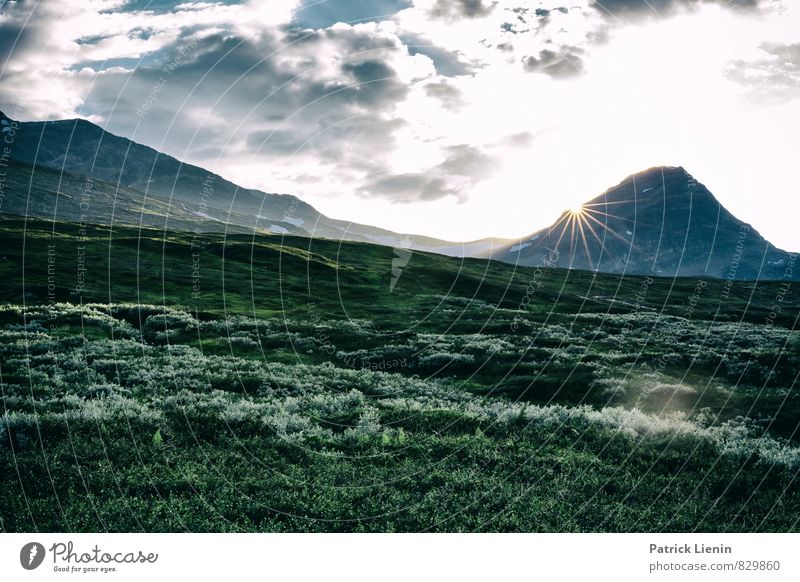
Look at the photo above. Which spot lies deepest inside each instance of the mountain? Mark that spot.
(658, 222)
(75, 170)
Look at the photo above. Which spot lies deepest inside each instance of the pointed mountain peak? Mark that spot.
(659, 170)
(660, 221)
(661, 182)
(657, 174)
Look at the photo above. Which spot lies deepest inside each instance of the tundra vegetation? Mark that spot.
(163, 381)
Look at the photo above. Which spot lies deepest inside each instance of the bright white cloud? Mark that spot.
(643, 100)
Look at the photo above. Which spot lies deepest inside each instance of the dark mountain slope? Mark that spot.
(85, 150)
(662, 222)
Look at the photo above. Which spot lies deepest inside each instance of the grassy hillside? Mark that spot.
(162, 381)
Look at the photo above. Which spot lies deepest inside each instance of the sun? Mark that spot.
(576, 210)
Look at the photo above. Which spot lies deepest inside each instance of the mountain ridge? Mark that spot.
(81, 148)
(660, 221)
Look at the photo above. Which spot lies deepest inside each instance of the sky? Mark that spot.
(458, 119)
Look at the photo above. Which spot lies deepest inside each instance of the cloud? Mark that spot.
(560, 64)
(65, 43)
(406, 188)
(262, 105)
(467, 161)
(634, 9)
(269, 96)
(319, 15)
(774, 77)
(373, 82)
(521, 139)
(447, 93)
(17, 31)
(451, 9)
(463, 167)
(404, 108)
(508, 31)
(447, 63)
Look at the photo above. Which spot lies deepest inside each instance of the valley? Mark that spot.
(160, 380)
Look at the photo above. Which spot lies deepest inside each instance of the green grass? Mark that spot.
(291, 390)
(269, 275)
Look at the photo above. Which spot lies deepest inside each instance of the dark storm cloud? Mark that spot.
(627, 9)
(404, 188)
(463, 166)
(354, 39)
(12, 38)
(524, 19)
(513, 28)
(373, 83)
(21, 26)
(451, 9)
(355, 144)
(621, 8)
(322, 99)
(268, 95)
(468, 162)
(274, 77)
(447, 63)
(562, 63)
(369, 71)
(276, 141)
(772, 79)
(316, 14)
(163, 6)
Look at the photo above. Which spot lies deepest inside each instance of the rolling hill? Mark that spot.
(157, 380)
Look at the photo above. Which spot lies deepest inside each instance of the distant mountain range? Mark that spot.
(661, 221)
(75, 170)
